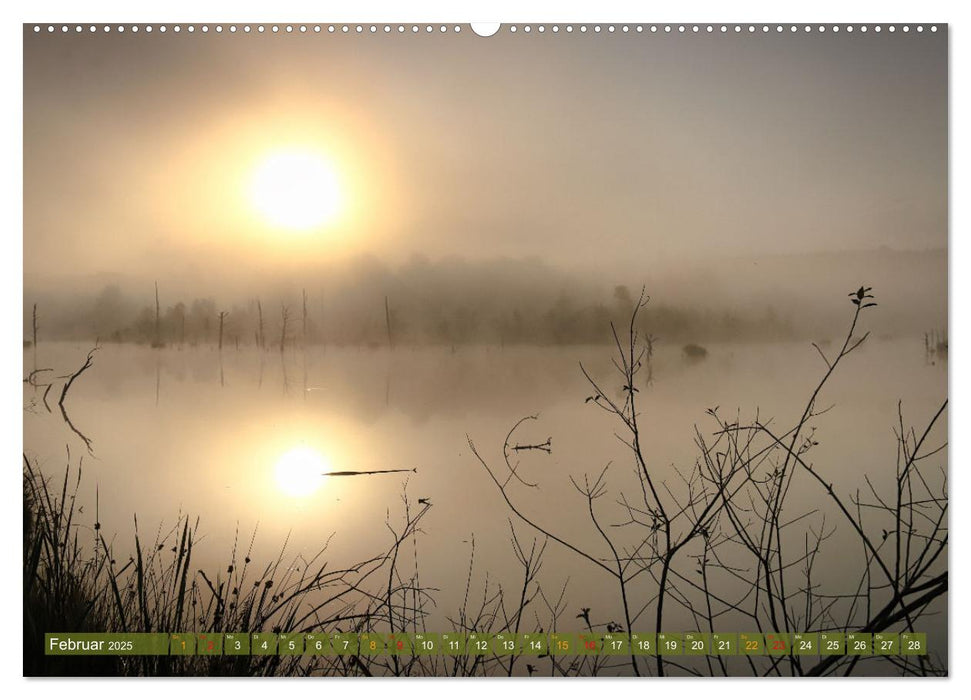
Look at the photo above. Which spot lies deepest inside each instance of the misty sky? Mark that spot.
(575, 148)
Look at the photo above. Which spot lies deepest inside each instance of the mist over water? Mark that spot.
(615, 299)
(454, 301)
(200, 432)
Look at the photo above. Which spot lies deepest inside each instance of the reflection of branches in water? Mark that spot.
(372, 472)
(546, 447)
(727, 519)
(508, 447)
(32, 379)
(286, 379)
(88, 361)
(87, 441)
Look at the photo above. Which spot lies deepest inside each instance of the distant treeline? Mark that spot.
(395, 318)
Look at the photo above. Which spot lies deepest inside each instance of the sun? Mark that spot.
(296, 189)
(300, 472)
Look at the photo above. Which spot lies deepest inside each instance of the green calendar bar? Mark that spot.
(805, 644)
(616, 644)
(563, 644)
(670, 644)
(778, 643)
(209, 644)
(372, 644)
(859, 644)
(317, 643)
(751, 643)
(344, 643)
(590, 644)
(697, 643)
(102, 644)
(453, 643)
(427, 644)
(832, 643)
(182, 644)
(886, 643)
(263, 644)
(479, 643)
(724, 644)
(290, 644)
(236, 644)
(643, 644)
(400, 643)
(505, 644)
(913, 644)
(535, 644)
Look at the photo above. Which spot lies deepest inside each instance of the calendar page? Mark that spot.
(531, 350)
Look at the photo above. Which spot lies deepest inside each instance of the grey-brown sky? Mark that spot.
(575, 148)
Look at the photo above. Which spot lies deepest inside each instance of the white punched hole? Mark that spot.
(485, 28)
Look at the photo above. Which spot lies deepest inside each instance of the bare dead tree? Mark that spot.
(303, 331)
(722, 546)
(222, 318)
(157, 341)
(261, 338)
(387, 321)
(88, 361)
(285, 313)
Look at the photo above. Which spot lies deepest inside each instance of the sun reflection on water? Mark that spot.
(300, 471)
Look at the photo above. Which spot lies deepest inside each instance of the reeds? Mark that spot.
(720, 545)
(76, 579)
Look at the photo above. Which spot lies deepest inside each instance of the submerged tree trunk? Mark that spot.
(283, 332)
(222, 316)
(158, 337)
(304, 329)
(34, 340)
(387, 321)
(260, 338)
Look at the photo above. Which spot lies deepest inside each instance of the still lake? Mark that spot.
(238, 438)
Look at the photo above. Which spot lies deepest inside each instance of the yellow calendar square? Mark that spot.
(182, 644)
(563, 644)
(751, 643)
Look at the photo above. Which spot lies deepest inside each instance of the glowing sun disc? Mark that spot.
(300, 471)
(296, 190)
